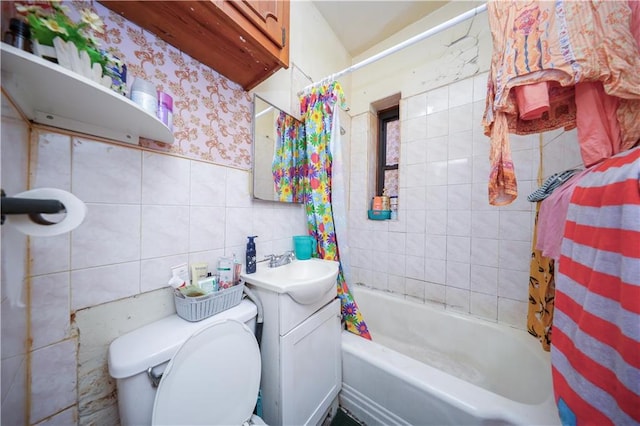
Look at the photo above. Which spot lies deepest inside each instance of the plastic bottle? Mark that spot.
(225, 272)
(251, 255)
(165, 109)
(208, 284)
(237, 270)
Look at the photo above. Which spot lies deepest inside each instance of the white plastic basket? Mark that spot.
(198, 308)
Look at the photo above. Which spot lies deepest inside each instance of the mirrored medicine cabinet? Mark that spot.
(265, 136)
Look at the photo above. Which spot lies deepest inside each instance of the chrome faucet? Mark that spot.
(279, 260)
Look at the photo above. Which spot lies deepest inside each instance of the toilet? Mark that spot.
(210, 370)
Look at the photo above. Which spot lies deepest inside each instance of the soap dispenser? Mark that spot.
(251, 255)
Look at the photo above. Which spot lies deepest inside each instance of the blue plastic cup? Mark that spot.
(304, 246)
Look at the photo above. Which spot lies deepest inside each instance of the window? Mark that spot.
(388, 151)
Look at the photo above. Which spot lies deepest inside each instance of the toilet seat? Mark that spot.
(213, 378)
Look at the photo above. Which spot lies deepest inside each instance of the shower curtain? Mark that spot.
(289, 159)
(318, 108)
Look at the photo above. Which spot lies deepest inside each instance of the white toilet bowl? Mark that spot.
(210, 370)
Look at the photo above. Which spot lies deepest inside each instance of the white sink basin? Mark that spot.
(306, 281)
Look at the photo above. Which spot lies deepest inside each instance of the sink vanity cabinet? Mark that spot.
(301, 355)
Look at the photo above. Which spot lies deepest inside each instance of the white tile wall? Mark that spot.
(437, 149)
(146, 212)
(53, 379)
(50, 307)
(94, 286)
(484, 279)
(104, 173)
(457, 299)
(14, 169)
(109, 234)
(164, 230)
(165, 180)
(483, 305)
(460, 93)
(438, 100)
(475, 257)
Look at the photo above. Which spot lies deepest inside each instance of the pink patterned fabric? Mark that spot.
(562, 43)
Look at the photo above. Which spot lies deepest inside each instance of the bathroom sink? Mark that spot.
(306, 281)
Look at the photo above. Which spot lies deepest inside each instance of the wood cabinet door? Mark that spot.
(271, 17)
(244, 40)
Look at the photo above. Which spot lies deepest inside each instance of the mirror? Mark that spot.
(267, 119)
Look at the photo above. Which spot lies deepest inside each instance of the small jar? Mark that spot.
(143, 93)
(165, 109)
(386, 204)
(377, 203)
(19, 34)
(394, 207)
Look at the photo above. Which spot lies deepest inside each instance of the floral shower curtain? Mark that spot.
(289, 159)
(317, 108)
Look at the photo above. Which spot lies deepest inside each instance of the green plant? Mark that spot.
(49, 20)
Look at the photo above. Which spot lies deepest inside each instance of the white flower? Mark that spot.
(91, 18)
(53, 26)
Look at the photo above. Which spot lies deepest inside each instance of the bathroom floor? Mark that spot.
(343, 418)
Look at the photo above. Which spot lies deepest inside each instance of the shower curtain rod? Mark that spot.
(426, 34)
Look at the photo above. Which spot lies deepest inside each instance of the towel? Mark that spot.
(595, 353)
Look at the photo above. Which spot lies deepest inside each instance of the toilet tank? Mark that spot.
(153, 345)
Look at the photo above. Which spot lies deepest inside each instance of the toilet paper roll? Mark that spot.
(76, 210)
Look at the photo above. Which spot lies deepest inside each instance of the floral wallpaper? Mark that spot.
(211, 114)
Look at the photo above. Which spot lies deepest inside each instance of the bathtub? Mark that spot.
(428, 366)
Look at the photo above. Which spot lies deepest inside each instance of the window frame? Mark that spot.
(384, 117)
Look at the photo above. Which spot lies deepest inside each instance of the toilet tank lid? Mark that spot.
(156, 343)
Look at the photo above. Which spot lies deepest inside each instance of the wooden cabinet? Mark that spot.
(267, 16)
(244, 40)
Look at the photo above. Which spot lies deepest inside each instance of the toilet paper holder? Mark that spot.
(34, 208)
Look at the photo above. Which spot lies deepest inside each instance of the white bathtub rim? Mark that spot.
(486, 405)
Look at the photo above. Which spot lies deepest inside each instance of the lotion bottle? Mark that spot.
(208, 284)
(251, 255)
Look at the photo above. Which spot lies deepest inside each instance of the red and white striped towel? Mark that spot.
(595, 350)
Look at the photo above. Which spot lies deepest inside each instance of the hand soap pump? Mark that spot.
(251, 255)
